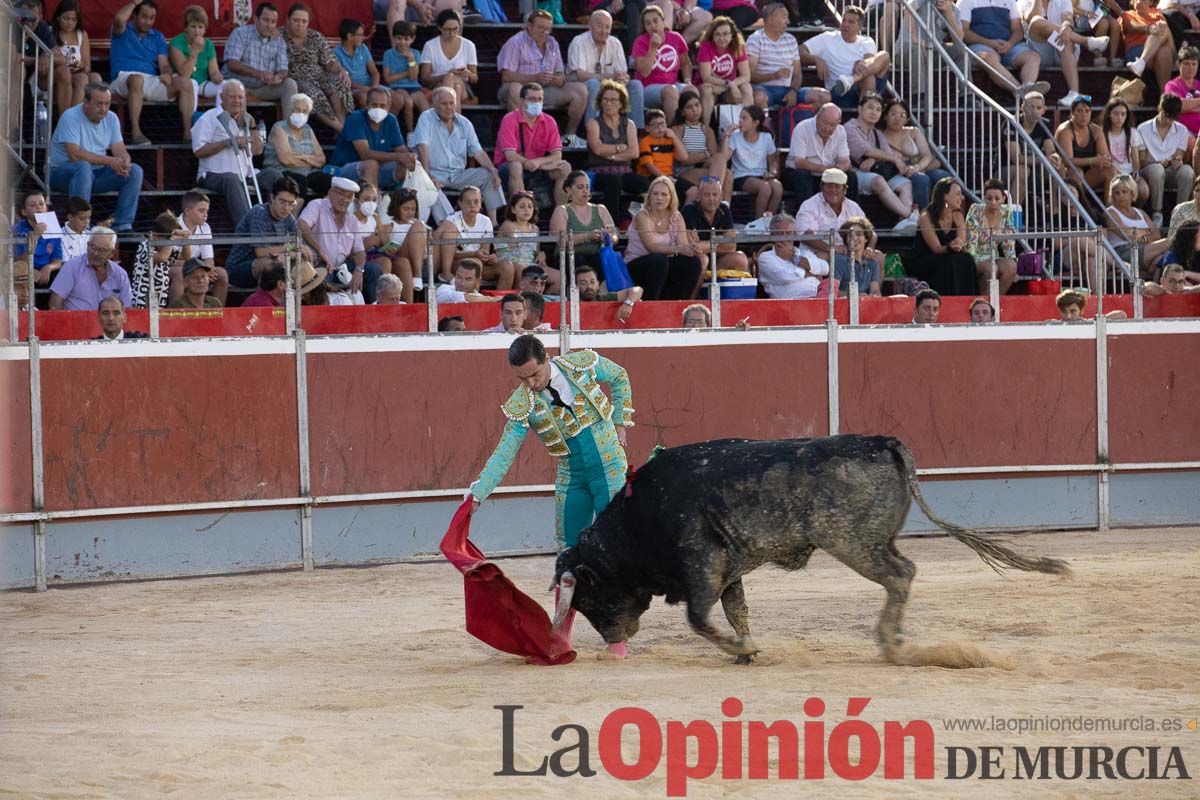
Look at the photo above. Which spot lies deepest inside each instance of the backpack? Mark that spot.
(789, 118)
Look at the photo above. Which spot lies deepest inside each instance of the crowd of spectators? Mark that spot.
(682, 114)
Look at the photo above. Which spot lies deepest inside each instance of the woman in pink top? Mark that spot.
(663, 255)
(724, 67)
(659, 57)
(1187, 87)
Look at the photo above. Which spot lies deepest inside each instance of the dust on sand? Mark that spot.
(362, 683)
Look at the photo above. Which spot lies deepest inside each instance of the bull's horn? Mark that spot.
(562, 603)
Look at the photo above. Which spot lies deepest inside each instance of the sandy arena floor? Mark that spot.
(362, 683)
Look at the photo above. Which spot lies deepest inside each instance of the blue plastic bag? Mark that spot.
(491, 10)
(616, 274)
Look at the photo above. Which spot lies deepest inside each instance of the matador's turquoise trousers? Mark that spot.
(587, 480)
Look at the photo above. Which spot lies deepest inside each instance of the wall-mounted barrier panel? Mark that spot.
(152, 423)
(1154, 498)
(963, 399)
(16, 437)
(16, 555)
(1008, 502)
(1153, 393)
(209, 543)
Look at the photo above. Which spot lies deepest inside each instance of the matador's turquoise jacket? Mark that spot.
(525, 409)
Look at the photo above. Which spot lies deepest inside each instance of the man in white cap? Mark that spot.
(826, 211)
(335, 236)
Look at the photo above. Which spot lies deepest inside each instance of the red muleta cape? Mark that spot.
(498, 613)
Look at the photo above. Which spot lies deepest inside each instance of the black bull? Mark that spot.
(697, 518)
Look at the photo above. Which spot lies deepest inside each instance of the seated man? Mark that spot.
(992, 29)
(595, 56)
(708, 214)
(247, 262)
(389, 290)
(112, 321)
(222, 136)
(847, 61)
(533, 56)
(818, 143)
(1071, 303)
(512, 315)
(533, 279)
(47, 253)
(697, 315)
(256, 54)
(1172, 282)
(86, 280)
(452, 324)
(774, 57)
(79, 160)
(468, 274)
(529, 151)
(140, 71)
(824, 214)
(588, 284)
(445, 140)
(336, 238)
(196, 276)
(535, 310)
(788, 271)
(927, 305)
(272, 286)
(981, 312)
(370, 146)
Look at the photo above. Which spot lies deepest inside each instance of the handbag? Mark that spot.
(427, 194)
(1032, 264)
(885, 168)
(1132, 91)
(616, 274)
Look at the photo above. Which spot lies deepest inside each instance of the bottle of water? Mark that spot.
(41, 124)
(262, 132)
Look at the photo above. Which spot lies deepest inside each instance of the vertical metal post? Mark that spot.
(430, 281)
(152, 295)
(10, 296)
(1139, 296)
(571, 293)
(1102, 420)
(1101, 271)
(564, 321)
(306, 554)
(291, 268)
(994, 284)
(714, 288)
(832, 272)
(853, 291)
(31, 294)
(831, 328)
(39, 493)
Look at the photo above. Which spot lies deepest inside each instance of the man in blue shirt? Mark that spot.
(79, 160)
(444, 140)
(47, 253)
(140, 70)
(370, 147)
(247, 262)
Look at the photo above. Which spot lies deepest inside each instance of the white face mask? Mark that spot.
(533, 109)
(377, 115)
(298, 120)
(368, 207)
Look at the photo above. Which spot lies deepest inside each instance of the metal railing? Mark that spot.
(29, 158)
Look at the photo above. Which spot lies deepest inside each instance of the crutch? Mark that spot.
(250, 161)
(227, 122)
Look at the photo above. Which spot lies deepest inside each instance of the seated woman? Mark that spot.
(1187, 88)
(859, 234)
(316, 71)
(1084, 146)
(1124, 144)
(376, 234)
(449, 59)
(923, 168)
(755, 160)
(1129, 226)
(409, 235)
(705, 158)
(984, 223)
(293, 149)
(940, 256)
(585, 222)
(519, 222)
(73, 42)
(723, 68)
(662, 255)
(613, 146)
(661, 63)
(880, 169)
(193, 55)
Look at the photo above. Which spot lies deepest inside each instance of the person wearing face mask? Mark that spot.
(293, 149)
(371, 147)
(529, 150)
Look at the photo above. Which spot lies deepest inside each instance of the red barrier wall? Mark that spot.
(16, 476)
(965, 404)
(1154, 398)
(147, 431)
(321, 320)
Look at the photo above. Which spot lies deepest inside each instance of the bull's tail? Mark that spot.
(995, 555)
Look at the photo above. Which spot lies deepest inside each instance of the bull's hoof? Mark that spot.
(744, 659)
(740, 647)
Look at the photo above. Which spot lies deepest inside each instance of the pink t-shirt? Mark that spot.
(670, 58)
(724, 65)
(1190, 119)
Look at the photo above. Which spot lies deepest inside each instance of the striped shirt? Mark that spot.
(773, 54)
(521, 54)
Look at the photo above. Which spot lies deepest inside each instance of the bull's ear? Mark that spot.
(587, 575)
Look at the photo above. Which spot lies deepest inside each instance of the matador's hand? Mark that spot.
(621, 436)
